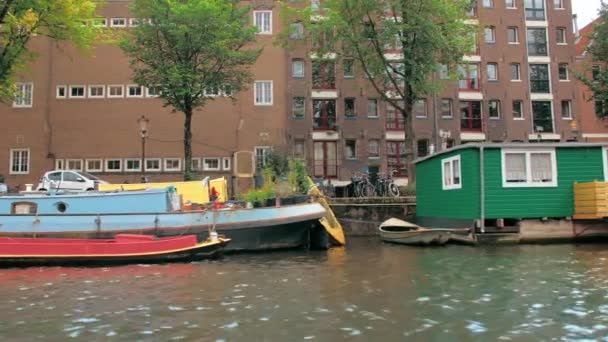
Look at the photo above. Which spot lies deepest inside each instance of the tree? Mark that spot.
(21, 19)
(422, 34)
(598, 50)
(188, 50)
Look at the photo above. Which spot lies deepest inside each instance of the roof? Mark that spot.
(512, 145)
(582, 41)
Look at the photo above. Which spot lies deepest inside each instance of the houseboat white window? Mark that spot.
(20, 161)
(450, 173)
(73, 164)
(93, 165)
(211, 164)
(113, 165)
(262, 93)
(172, 164)
(196, 164)
(23, 95)
(263, 21)
(133, 164)
(529, 168)
(226, 163)
(153, 164)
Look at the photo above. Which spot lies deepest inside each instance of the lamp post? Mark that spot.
(143, 132)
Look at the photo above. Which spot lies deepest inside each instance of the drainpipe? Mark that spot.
(435, 120)
(482, 182)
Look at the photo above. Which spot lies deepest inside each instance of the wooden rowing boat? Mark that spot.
(403, 232)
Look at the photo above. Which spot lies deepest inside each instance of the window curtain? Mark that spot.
(515, 167)
(541, 167)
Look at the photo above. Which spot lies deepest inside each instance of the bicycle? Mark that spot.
(362, 187)
(386, 185)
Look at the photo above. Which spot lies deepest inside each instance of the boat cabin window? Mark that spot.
(531, 168)
(24, 208)
(450, 173)
(61, 207)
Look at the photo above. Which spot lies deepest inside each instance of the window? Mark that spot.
(419, 108)
(350, 149)
(349, 107)
(134, 22)
(560, 35)
(93, 165)
(394, 119)
(211, 164)
(263, 21)
(323, 75)
(261, 155)
(595, 72)
(324, 114)
(537, 42)
(61, 92)
(226, 163)
(59, 164)
(489, 34)
(153, 164)
(515, 72)
(518, 110)
(558, 4)
(212, 91)
(600, 110)
(113, 165)
(118, 22)
(172, 164)
(450, 173)
(195, 164)
(297, 68)
(372, 108)
(132, 164)
(563, 72)
(446, 108)
(468, 77)
(115, 91)
(349, 68)
(325, 159)
(470, 116)
(539, 78)
(494, 109)
(395, 158)
(299, 148)
(444, 72)
(297, 31)
(488, 3)
(100, 22)
(535, 9)
(567, 110)
(542, 116)
(373, 148)
(492, 71)
(263, 93)
(73, 164)
(152, 91)
(77, 91)
(96, 91)
(20, 161)
(23, 95)
(135, 91)
(510, 4)
(227, 90)
(512, 35)
(422, 147)
(529, 168)
(298, 107)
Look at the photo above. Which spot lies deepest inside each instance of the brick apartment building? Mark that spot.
(81, 112)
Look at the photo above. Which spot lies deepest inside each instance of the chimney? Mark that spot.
(575, 21)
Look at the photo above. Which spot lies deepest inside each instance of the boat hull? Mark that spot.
(421, 237)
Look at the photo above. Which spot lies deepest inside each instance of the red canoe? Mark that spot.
(123, 248)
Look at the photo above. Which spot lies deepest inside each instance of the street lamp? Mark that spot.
(143, 132)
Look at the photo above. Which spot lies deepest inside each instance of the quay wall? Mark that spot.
(362, 216)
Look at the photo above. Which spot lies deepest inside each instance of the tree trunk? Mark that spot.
(408, 105)
(188, 145)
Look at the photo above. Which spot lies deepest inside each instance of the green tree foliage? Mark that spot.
(58, 19)
(598, 49)
(183, 48)
(426, 33)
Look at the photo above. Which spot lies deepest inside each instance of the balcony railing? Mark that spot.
(469, 84)
(324, 123)
(471, 124)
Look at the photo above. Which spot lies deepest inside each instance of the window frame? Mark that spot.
(134, 86)
(11, 161)
(451, 161)
(88, 169)
(561, 36)
(103, 91)
(126, 163)
(521, 108)
(517, 67)
(528, 183)
(105, 165)
(122, 91)
(65, 91)
(566, 69)
(451, 107)
(377, 114)
(262, 101)
(354, 149)
(515, 29)
(118, 25)
(158, 169)
(569, 117)
(172, 169)
(226, 163)
(19, 95)
(498, 109)
(207, 168)
(492, 31)
(74, 160)
(257, 25)
(494, 66)
(298, 61)
(84, 91)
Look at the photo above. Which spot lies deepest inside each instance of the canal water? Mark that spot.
(367, 291)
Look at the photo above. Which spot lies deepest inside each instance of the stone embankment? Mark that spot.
(362, 216)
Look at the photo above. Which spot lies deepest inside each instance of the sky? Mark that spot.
(586, 10)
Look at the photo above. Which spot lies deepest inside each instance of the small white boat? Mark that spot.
(403, 232)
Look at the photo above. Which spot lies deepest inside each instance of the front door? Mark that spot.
(325, 159)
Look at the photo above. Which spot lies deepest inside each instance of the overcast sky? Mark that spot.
(586, 10)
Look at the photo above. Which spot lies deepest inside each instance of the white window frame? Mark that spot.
(106, 161)
(100, 22)
(172, 169)
(567, 79)
(528, 183)
(160, 164)
(10, 165)
(68, 161)
(151, 95)
(122, 91)
(511, 7)
(523, 116)
(59, 164)
(84, 91)
(134, 22)
(516, 30)
(18, 96)
(266, 150)
(118, 25)
(65, 91)
(198, 167)
(90, 169)
(260, 29)
(263, 102)
(450, 161)
(207, 168)
(561, 114)
(564, 33)
(130, 86)
(226, 161)
(495, 76)
(103, 91)
(126, 163)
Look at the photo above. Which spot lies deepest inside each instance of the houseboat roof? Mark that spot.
(512, 145)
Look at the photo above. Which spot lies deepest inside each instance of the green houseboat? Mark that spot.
(525, 189)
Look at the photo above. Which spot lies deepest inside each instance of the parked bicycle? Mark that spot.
(362, 186)
(385, 185)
